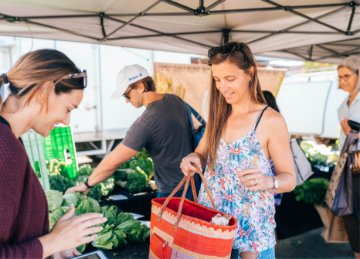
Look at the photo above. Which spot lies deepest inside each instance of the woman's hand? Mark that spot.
(190, 164)
(66, 254)
(255, 180)
(72, 231)
(81, 187)
(345, 126)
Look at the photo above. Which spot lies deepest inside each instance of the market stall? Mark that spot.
(312, 30)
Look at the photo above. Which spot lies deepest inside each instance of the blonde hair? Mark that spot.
(35, 68)
(240, 55)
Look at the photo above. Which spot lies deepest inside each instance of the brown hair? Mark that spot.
(35, 68)
(240, 55)
(148, 83)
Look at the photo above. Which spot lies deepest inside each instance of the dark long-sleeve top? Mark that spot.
(23, 206)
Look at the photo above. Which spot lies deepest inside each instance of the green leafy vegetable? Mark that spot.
(60, 183)
(54, 199)
(312, 191)
(70, 199)
(136, 181)
(122, 217)
(87, 205)
(102, 189)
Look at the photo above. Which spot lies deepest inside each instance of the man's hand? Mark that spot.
(78, 188)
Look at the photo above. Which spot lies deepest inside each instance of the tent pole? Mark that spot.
(311, 52)
(289, 9)
(225, 35)
(296, 25)
(353, 7)
(134, 18)
(327, 49)
(102, 24)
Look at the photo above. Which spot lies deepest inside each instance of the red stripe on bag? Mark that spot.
(190, 234)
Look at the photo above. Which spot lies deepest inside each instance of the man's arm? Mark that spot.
(106, 168)
(110, 163)
(137, 137)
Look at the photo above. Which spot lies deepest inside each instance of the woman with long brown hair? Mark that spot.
(242, 136)
(38, 92)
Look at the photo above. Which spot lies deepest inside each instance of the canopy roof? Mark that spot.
(317, 30)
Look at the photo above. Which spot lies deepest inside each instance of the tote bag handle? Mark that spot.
(186, 180)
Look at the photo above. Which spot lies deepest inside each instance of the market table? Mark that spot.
(139, 203)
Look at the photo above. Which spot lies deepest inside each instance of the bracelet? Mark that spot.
(87, 183)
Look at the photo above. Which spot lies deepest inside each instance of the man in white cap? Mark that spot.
(163, 129)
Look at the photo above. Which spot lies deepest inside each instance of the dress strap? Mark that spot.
(259, 117)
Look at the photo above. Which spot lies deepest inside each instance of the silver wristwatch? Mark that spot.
(276, 183)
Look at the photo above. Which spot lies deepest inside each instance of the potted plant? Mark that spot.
(313, 191)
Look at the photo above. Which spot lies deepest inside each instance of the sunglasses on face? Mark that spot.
(127, 92)
(77, 76)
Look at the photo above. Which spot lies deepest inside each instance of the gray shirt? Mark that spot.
(163, 129)
(351, 112)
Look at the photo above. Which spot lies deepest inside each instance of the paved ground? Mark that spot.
(311, 245)
(307, 245)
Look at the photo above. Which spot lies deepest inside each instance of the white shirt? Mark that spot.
(351, 112)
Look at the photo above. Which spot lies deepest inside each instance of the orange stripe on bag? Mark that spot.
(181, 228)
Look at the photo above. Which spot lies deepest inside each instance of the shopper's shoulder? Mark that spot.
(273, 119)
(143, 119)
(12, 154)
(173, 97)
(356, 102)
(7, 139)
(9, 144)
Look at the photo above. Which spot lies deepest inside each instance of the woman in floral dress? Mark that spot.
(243, 138)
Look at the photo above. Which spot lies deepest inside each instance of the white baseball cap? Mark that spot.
(127, 76)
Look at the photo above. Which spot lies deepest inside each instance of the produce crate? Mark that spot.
(58, 145)
(33, 144)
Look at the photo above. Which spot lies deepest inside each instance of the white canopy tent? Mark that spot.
(317, 30)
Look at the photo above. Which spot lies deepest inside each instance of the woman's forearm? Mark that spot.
(48, 246)
(287, 182)
(202, 159)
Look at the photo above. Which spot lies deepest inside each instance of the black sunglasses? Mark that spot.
(227, 49)
(82, 76)
(127, 92)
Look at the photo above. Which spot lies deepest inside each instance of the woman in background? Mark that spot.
(348, 73)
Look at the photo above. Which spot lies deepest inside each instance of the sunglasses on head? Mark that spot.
(226, 49)
(82, 76)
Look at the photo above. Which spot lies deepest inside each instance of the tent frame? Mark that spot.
(226, 33)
